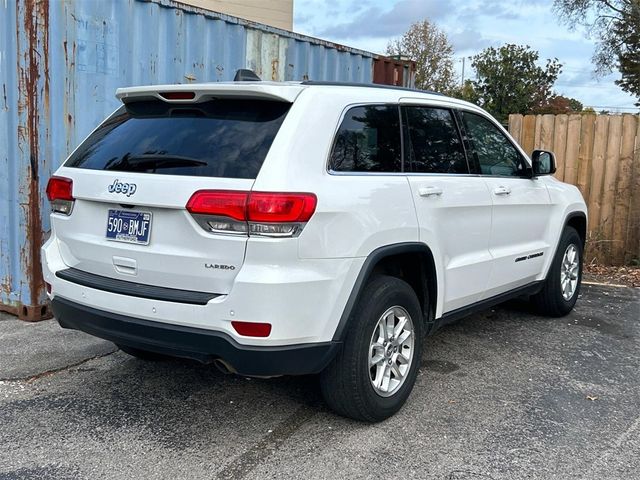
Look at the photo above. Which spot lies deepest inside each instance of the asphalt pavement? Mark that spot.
(501, 395)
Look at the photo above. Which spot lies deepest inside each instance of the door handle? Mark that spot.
(502, 190)
(429, 191)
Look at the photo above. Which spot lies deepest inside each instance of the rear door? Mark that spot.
(520, 205)
(453, 207)
(133, 177)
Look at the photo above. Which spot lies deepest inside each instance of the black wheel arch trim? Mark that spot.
(576, 214)
(567, 219)
(365, 272)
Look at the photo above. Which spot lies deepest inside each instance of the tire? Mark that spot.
(347, 383)
(143, 354)
(551, 300)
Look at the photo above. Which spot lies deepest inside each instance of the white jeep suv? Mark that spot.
(304, 228)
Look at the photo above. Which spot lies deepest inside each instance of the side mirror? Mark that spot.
(543, 162)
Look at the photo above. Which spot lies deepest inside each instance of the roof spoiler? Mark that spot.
(245, 75)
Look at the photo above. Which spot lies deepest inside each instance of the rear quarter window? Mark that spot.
(368, 140)
(220, 138)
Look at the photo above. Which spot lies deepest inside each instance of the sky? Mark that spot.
(471, 26)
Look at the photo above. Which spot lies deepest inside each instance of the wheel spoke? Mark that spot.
(402, 321)
(386, 379)
(380, 369)
(376, 359)
(404, 337)
(390, 321)
(402, 359)
(382, 326)
(396, 371)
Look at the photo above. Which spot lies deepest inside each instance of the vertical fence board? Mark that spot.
(537, 131)
(632, 247)
(609, 186)
(597, 170)
(515, 127)
(528, 133)
(546, 132)
(586, 152)
(623, 188)
(573, 147)
(560, 144)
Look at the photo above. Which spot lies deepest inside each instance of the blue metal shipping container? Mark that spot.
(60, 64)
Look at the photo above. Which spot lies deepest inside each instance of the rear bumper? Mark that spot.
(194, 343)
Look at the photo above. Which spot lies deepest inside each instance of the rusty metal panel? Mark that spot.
(394, 71)
(320, 60)
(24, 60)
(60, 64)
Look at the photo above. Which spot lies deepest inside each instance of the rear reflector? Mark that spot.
(252, 329)
(178, 95)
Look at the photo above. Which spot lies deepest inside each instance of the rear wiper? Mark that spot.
(153, 160)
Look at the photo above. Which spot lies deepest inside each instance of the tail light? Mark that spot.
(60, 194)
(267, 214)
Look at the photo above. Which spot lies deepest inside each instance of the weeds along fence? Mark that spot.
(600, 154)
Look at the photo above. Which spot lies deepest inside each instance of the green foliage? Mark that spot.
(511, 81)
(465, 92)
(616, 25)
(627, 29)
(429, 47)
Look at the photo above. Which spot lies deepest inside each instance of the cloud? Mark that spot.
(375, 22)
(468, 40)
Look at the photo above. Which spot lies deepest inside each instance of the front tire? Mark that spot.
(562, 285)
(372, 376)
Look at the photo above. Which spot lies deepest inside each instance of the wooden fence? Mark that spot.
(600, 154)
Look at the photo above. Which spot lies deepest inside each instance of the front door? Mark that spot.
(520, 206)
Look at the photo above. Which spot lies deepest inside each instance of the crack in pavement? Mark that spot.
(37, 376)
(246, 462)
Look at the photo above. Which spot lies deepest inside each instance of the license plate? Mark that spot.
(128, 226)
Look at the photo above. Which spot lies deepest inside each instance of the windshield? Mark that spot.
(220, 138)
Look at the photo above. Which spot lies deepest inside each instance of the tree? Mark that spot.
(429, 47)
(616, 25)
(558, 104)
(466, 92)
(509, 79)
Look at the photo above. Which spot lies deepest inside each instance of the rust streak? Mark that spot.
(34, 100)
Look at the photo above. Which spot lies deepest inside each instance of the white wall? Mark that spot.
(277, 13)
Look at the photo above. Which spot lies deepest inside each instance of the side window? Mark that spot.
(491, 149)
(434, 143)
(368, 140)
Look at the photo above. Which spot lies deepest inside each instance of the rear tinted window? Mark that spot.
(434, 143)
(221, 138)
(368, 140)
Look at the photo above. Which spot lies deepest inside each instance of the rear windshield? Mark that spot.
(220, 138)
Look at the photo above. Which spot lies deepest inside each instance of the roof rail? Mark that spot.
(370, 85)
